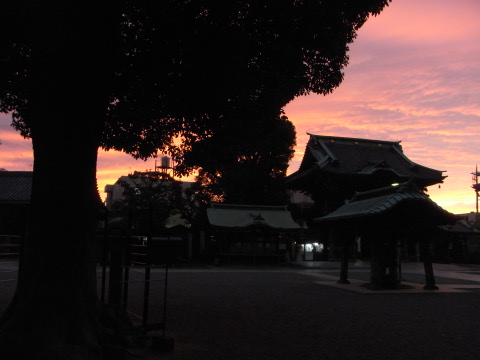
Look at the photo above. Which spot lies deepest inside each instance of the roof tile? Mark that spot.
(15, 186)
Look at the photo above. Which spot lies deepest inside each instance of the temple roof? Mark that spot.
(362, 158)
(461, 227)
(386, 200)
(245, 216)
(15, 186)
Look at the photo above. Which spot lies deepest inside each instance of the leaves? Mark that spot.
(246, 162)
(156, 71)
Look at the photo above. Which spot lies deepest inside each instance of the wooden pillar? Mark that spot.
(417, 251)
(332, 238)
(374, 271)
(392, 261)
(202, 242)
(428, 266)
(344, 261)
(377, 272)
(190, 246)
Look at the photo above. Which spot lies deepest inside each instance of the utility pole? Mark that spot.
(476, 186)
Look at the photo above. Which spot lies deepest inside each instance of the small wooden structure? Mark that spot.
(252, 232)
(384, 218)
(458, 243)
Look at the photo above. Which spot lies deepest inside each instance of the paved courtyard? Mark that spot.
(301, 312)
(295, 312)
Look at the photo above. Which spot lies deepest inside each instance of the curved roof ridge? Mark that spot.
(342, 138)
(220, 205)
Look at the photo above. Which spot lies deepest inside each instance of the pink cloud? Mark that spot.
(425, 21)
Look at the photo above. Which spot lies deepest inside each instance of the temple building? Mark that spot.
(334, 169)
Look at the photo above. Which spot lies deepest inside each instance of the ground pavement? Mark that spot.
(300, 312)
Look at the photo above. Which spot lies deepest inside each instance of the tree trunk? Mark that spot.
(54, 308)
(54, 313)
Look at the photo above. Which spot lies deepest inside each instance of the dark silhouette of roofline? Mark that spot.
(15, 187)
(346, 156)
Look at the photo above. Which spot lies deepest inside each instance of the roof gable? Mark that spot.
(245, 216)
(362, 157)
(385, 200)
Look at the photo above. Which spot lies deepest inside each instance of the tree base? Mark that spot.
(29, 331)
(162, 344)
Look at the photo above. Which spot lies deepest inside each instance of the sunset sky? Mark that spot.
(414, 76)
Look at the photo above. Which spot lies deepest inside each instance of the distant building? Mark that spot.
(253, 232)
(458, 243)
(471, 218)
(15, 193)
(116, 192)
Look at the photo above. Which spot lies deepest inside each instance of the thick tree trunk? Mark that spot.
(55, 313)
(54, 309)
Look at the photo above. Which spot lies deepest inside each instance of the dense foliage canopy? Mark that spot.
(176, 68)
(246, 162)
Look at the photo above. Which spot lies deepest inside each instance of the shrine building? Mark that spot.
(252, 232)
(335, 168)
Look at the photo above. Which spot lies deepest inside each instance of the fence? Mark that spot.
(137, 282)
(9, 257)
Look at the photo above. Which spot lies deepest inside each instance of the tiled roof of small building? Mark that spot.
(362, 157)
(244, 216)
(381, 201)
(15, 186)
(461, 227)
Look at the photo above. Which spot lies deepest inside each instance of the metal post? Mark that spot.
(166, 283)
(126, 273)
(105, 251)
(115, 272)
(146, 289)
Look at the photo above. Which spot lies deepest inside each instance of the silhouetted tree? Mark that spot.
(146, 195)
(246, 162)
(131, 76)
(148, 200)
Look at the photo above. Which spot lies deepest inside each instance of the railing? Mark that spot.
(9, 257)
(132, 278)
(138, 269)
